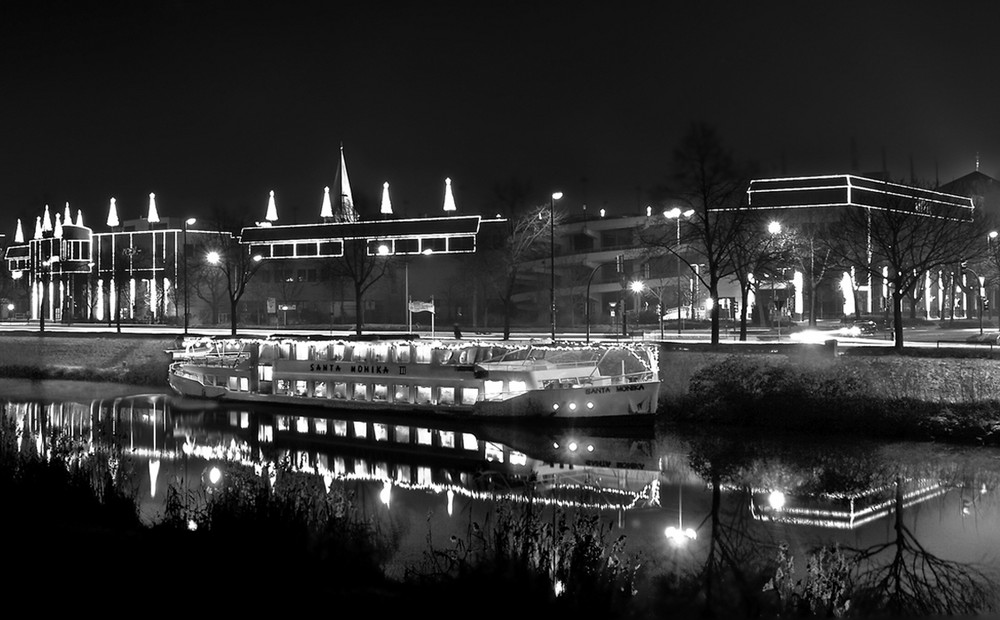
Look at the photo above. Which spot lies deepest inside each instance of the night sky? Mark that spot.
(213, 104)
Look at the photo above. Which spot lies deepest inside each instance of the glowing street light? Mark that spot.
(676, 213)
(679, 535)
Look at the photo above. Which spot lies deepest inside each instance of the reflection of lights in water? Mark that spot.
(192, 526)
(679, 535)
(559, 587)
(776, 500)
(154, 472)
(214, 475)
(386, 492)
(451, 502)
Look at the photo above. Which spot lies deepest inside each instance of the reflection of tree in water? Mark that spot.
(736, 566)
(745, 577)
(915, 581)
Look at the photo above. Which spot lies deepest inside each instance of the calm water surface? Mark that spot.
(431, 480)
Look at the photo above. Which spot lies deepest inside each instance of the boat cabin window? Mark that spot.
(424, 395)
(266, 373)
(443, 356)
(284, 351)
(281, 386)
(402, 394)
(446, 396)
(380, 431)
(339, 389)
(424, 436)
(340, 428)
(321, 426)
(300, 388)
(360, 353)
(360, 391)
(361, 429)
(302, 350)
(447, 439)
(422, 355)
(517, 385)
(380, 353)
(337, 352)
(469, 395)
(380, 392)
(319, 389)
(468, 355)
(402, 434)
(492, 388)
(402, 353)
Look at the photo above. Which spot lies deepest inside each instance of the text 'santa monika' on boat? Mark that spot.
(490, 379)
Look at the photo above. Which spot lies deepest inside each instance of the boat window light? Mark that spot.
(572, 406)
(590, 405)
(555, 406)
(573, 446)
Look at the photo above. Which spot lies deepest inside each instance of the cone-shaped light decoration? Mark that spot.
(386, 203)
(345, 202)
(272, 208)
(327, 210)
(19, 235)
(449, 199)
(153, 217)
(113, 215)
(46, 220)
(58, 229)
(67, 216)
(79, 217)
(38, 227)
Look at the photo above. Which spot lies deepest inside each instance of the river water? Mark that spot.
(429, 480)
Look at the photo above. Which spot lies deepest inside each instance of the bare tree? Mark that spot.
(909, 239)
(707, 180)
(229, 260)
(755, 253)
(527, 240)
(362, 269)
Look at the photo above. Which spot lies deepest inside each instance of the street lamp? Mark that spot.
(676, 213)
(552, 260)
(636, 286)
(188, 222)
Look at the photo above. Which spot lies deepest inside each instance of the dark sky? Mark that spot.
(216, 103)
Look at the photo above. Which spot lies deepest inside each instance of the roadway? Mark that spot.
(925, 335)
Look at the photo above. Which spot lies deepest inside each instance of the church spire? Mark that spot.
(19, 235)
(449, 198)
(272, 209)
(386, 203)
(345, 202)
(153, 217)
(113, 221)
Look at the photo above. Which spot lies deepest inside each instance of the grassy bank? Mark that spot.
(892, 397)
(118, 358)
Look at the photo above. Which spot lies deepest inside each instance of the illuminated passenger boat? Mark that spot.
(458, 378)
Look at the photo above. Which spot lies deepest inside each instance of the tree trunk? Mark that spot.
(233, 317)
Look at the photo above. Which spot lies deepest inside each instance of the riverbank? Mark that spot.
(132, 359)
(889, 397)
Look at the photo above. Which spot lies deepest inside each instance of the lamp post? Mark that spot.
(552, 260)
(676, 213)
(188, 222)
(636, 286)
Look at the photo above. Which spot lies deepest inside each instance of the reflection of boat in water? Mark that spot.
(841, 510)
(489, 379)
(579, 466)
